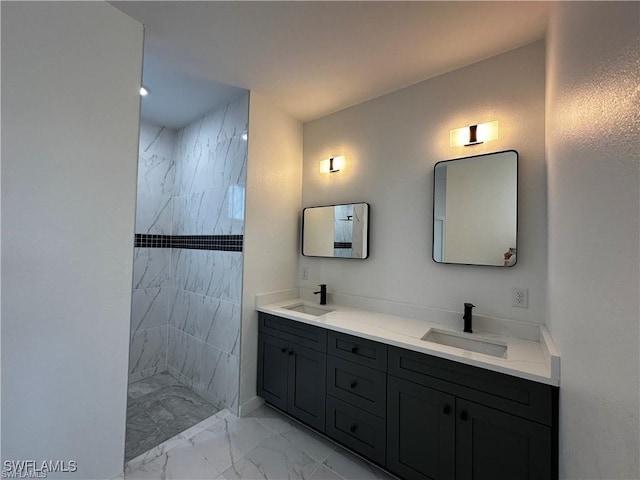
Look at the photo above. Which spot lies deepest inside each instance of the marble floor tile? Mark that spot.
(179, 408)
(264, 445)
(310, 442)
(276, 458)
(151, 384)
(142, 434)
(324, 473)
(229, 440)
(167, 445)
(350, 466)
(159, 408)
(269, 464)
(274, 420)
(294, 453)
(179, 463)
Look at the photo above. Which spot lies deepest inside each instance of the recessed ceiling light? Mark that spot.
(144, 91)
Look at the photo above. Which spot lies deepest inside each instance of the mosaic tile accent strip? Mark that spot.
(227, 243)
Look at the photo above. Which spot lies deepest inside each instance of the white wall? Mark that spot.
(391, 145)
(70, 110)
(593, 69)
(274, 170)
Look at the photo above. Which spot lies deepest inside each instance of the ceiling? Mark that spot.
(314, 58)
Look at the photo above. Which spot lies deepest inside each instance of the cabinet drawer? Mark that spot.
(358, 350)
(300, 333)
(518, 396)
(360, 386)
(362, 432)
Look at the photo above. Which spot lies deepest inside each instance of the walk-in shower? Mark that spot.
(185, 322)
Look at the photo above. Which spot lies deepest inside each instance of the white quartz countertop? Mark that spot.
(538, 361)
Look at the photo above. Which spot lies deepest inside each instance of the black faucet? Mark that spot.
(468, 317)
(323, 293)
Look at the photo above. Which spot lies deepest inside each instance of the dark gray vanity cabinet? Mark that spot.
(421, 417)
(292, 368)
(357, 394)
(452, 421)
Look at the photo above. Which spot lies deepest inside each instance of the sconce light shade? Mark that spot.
(474, 134)
(144, 91)
(332, 165)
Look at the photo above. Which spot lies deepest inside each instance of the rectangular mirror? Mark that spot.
(336, 231)
(475, 210)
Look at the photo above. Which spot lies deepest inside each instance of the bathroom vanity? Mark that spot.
(416, 407)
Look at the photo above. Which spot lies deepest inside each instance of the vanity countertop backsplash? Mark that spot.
(530, 358)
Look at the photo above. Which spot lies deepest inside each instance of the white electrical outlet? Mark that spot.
(304, 273)
(520, 297)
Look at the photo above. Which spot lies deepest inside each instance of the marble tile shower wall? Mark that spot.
(152, 282)
(201, 288)
(204, 318)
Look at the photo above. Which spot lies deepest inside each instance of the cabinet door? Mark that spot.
(420, 431)
(307, 385)
(493, 445)
(272, 370)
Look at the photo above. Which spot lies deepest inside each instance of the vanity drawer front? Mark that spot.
(366, 434)
(300, 333)
(510, 394)
(358, 350)
(360, 386)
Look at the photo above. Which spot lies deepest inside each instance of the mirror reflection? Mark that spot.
(337, 231)
(475, 210)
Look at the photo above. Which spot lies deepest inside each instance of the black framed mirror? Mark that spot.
(475, 210)
(336, 231)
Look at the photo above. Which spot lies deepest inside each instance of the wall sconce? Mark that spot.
(332, 165)
(474, 134)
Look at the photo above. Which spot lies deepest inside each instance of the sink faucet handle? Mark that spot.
(323, 293)
(468, 317)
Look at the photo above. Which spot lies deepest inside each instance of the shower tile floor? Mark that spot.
(265, 445)
(159, 408)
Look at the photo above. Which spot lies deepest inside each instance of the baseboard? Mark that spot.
(247, 407)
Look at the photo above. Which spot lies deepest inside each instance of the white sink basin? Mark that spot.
(314, 310)
(466, 341)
